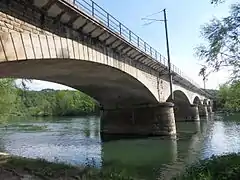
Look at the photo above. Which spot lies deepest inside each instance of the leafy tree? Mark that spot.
(217, 1)
(8, 97)
(223, 42)
(229, 97)
(15, 101)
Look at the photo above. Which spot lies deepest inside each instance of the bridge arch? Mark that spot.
(197, 101)
(179, 96)
(205, 102)
(181, 105)
(95, 71)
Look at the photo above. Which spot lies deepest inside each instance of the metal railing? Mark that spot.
(94, 10)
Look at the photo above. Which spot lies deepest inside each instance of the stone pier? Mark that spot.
(194, 113)
(186, 112)
(158, 120)
(203, 111)
(209, 109)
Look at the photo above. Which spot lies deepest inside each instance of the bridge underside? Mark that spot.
(129, 107)
(111, 87)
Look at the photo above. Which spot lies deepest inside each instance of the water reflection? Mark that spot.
(141, 156)
(78, 141)
(222, 137)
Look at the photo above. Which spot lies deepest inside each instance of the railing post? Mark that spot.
(151, 51)
(130, 36)
(120, 28)
(145, 48)
(92, 8)
(107, 19)
(138, 41)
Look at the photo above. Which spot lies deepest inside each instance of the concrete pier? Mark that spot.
(194, 112)
(158, 120)
(203, 111)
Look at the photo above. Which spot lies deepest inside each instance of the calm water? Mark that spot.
(77, 141)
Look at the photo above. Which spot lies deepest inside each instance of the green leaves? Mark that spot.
(224, 167)
(229, 97)
(7, 97)
(216, 1)
(58, 103)
(14, 101)
(223, 42)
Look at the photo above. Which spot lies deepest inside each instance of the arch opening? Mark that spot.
(197, 101)
(109, 86)
(205, 102)
(181, 105)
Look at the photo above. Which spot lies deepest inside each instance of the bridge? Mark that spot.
(78, 44)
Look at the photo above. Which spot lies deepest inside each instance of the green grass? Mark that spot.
(226, 167)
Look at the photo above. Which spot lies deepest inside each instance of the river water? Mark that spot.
(77, 141)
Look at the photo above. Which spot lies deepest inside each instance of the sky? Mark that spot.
(185, 17)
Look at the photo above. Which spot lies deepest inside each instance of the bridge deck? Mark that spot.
(93, 21)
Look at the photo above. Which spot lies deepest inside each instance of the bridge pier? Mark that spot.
(209, 109)
(158, 120)
(203, 111)
(186, 112)
(194, 113)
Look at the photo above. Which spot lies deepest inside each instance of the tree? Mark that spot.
(204, 74)
(8, 97)
(216, 1)
(223, 42)
(229, 97)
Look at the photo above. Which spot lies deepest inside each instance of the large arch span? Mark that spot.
(109, 86)
(96, 71)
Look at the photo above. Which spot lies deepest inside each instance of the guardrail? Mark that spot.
(94, 10)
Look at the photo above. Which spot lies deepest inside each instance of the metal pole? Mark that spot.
(168, 55)
(204, 81)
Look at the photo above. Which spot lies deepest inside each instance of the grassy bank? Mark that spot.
(226, 167)
(37, 169)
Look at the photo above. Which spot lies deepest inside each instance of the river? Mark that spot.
(77, 141)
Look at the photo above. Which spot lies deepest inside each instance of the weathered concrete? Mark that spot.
(157, 120)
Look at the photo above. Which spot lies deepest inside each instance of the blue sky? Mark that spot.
(185, 18)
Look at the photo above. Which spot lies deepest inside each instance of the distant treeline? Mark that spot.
(48, 102)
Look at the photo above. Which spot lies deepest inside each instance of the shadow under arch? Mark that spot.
(181, 105)
(197, 101)
(108, 85)
(205, 102)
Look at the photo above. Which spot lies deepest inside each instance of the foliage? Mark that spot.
(8, 97)
(216, 1)
(15, 101)
(223, 43)
(56, 103)
(226, 167)
(229, 97)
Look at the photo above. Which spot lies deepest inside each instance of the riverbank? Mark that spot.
(13, 167)
(226, 167)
